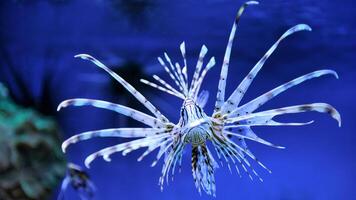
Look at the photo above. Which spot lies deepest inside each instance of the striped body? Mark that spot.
(227, 129)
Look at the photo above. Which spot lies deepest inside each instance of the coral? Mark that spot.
(31, 163)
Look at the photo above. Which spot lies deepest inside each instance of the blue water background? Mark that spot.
(39, 39)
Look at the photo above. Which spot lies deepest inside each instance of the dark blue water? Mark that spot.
(39, 39)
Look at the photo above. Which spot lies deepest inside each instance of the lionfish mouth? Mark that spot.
(196, 136)
(228, 129)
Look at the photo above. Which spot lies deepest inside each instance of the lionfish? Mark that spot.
(226, 130)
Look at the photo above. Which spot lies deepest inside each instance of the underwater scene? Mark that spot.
(190, 99)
